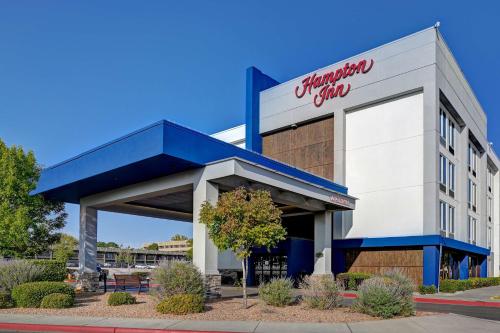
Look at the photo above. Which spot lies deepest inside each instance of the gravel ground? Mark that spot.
(226, 309)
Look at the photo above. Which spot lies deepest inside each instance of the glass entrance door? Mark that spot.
(268, 266)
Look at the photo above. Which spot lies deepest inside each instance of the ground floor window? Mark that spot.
(474, 266)
(450, 265)
(269, 266)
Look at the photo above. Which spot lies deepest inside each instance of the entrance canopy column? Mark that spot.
(205, 253)
(88, 277)
(323, 243)
(88, 240)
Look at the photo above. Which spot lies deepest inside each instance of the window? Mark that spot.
(451, 136)
(472, 159)
(472, 230)
(489, 237)
(471, 195)
(489, 208)
(442, 216)
(451, 177)
(443, 163)
(490, 181)
(451, 220)
(442, 125)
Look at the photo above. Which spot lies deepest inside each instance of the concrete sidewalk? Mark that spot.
(437, 323)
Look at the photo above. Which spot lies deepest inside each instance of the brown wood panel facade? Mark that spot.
(308, 147)
(375, 261)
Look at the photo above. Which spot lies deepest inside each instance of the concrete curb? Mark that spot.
(91, 329)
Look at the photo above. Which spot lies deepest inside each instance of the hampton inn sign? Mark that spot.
(328, 82)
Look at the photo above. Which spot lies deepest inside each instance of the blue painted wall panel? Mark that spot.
(431, 265)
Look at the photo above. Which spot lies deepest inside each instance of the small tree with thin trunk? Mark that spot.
(242, 220)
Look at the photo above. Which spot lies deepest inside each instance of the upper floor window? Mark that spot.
(442, 216)
(472, 194)
(490, 180)
(451, 179)
(451, 220)
(451, 136)
(443, 165)
(443, 124)
(472, 230)
(488, 235)
(489, 208)
(472, 159)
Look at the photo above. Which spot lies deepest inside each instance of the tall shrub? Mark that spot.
(178, 278)
(16, 272)
(386, 296)
(277, 292)
(321, 292)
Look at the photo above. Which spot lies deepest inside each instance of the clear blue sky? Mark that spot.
(76, 74)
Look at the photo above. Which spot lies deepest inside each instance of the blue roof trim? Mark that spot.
(409, 241)
(160, 149)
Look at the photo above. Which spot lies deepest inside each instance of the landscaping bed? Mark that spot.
(95, 305)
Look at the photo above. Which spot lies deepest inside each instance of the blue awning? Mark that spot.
(161, 149)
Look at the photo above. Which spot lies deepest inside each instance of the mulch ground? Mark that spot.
(226, 309)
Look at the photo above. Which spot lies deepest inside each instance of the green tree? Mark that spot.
(242, 220)
(28, 224)
(152, 246)
(64, 248)
(108, 244)
(178, 237)
(125, 256)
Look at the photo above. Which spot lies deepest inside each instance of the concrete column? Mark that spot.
(88, 278)
(205, 254)
(88, 240)
(323, 243)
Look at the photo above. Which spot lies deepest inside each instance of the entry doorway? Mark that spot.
(269, 266)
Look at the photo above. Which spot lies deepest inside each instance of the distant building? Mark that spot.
(172, 246)
(107, 255)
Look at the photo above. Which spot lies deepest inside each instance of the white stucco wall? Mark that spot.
(384, 168)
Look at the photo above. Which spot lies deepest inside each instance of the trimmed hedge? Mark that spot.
(57, 301)
(53, 270)
(120, 298)
(451, 286)
(181, 304)
(30, 295)
(5, 300)
(427, 289)
(352, 280)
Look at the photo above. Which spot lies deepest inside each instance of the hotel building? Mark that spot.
(379, 161)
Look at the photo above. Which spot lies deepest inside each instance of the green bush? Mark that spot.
(53, 270)
(5, 300)
(427, 289)
(277, 292)
(322, 292)
(30, 295)
(181, 304)
(16, 272)
(352, 280)
(386, 296)
(178, 278)
(120, 298)
(451, 286)
(57, 301)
